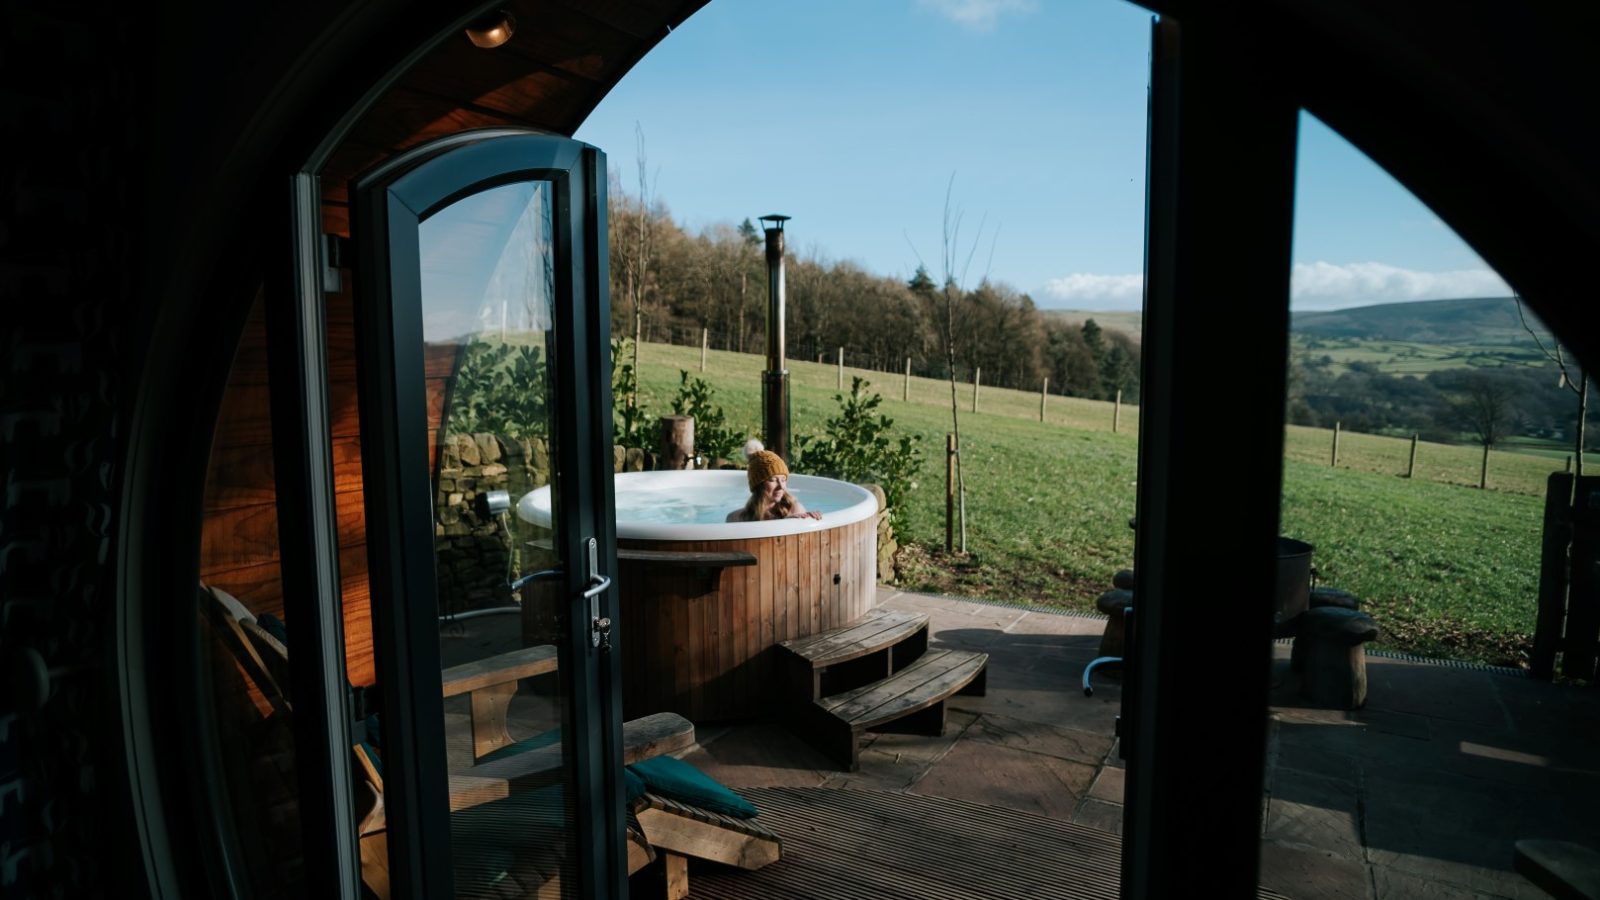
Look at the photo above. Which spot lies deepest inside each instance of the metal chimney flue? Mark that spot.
(775, 380)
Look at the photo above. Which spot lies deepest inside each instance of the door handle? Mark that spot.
(597, 586)
(599, 626)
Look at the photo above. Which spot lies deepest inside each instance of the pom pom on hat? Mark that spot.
(764, 463)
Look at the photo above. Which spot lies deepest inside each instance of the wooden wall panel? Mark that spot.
(239, 538)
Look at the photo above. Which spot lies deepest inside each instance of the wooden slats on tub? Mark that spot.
(697, 638)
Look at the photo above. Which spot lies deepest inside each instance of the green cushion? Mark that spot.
(539, 740)
(632, 786)
(274, 626)
(678, 780)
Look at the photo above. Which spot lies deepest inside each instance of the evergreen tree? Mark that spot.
(748, 232)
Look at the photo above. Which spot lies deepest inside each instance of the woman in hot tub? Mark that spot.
(769, 492)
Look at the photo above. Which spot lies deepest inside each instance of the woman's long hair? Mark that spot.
(756, 509)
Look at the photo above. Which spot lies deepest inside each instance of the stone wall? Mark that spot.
(474, 555)
(888, 548)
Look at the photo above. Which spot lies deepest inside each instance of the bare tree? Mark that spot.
(1578, 386)
(1484, 407)
(641, 257)
(955, 274)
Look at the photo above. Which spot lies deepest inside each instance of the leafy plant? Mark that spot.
(713, 439)
(499, 389)
(627, 408)
(857, 447)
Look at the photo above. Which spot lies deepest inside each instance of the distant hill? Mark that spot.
(1480, 320)
(1490, 321)
(1129, 323)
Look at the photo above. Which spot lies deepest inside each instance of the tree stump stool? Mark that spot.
(1329, 596)
(1113, 603)
(1333, 665)
(1321, 596)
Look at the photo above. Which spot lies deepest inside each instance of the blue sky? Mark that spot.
(852, 117)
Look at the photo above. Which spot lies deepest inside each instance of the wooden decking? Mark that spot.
(848, 844)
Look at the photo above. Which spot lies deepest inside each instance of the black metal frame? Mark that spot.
(390, 205)
(1220, 195)
(308, 541)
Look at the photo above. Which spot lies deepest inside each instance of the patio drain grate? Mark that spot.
(1509, 671)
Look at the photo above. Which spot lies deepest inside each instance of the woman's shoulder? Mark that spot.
(735, 516)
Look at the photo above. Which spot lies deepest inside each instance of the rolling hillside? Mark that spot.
(1481, 320)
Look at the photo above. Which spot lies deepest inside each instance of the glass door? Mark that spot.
(481, 317)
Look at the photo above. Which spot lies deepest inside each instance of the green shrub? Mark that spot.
(499, 389)
(713, 439)
(857, 447)
(628, 409)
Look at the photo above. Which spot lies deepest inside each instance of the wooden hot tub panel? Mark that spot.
(697, 640)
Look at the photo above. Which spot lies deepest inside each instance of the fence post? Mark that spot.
(905, 392)
(1044, 391)
(1552, 608)
(1411, 467)
(1335, 461)
(705, 341)
(841, 368)
(1116, 413)
(977, 378)
(949, 491)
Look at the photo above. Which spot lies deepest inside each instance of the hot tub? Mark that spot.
(697, 633)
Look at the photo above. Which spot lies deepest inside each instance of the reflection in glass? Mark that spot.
(488, 282)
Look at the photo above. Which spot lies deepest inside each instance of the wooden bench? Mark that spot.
(679, 831)
(872, 673)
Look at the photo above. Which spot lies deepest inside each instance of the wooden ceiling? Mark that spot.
(564, 56)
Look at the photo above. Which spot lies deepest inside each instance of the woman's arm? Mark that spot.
(797, 510)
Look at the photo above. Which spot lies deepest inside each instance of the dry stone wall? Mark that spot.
(474, 553)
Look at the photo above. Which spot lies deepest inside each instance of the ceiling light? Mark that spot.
(492, 29)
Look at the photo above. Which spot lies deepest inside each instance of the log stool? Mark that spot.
(1333, 663)
(1321, 596)
(1329, 596)
(1112, 603)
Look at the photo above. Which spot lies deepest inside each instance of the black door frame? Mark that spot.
(389, 206)
(1220, 208)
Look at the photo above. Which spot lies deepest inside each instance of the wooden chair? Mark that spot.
(507, 816)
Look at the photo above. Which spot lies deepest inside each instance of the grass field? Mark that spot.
(1446, 569)
(1411, 357)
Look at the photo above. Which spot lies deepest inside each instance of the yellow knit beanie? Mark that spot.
(764, 463)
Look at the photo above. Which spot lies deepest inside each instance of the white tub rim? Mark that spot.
(534, 507)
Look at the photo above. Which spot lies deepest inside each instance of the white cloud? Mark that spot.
(1324, 285)
(978, 15)
(1083, 290)
(1317, 285)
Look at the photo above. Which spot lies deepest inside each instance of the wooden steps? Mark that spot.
(873, 673)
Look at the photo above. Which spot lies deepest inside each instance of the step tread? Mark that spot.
(935, 676)
(877, 630)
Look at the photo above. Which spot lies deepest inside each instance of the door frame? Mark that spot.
(390, 203)
(1220, 188)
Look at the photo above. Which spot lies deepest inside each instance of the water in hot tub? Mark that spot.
(677, 505)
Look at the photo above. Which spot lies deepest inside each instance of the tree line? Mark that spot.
(1484, 405)
(667, 285)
